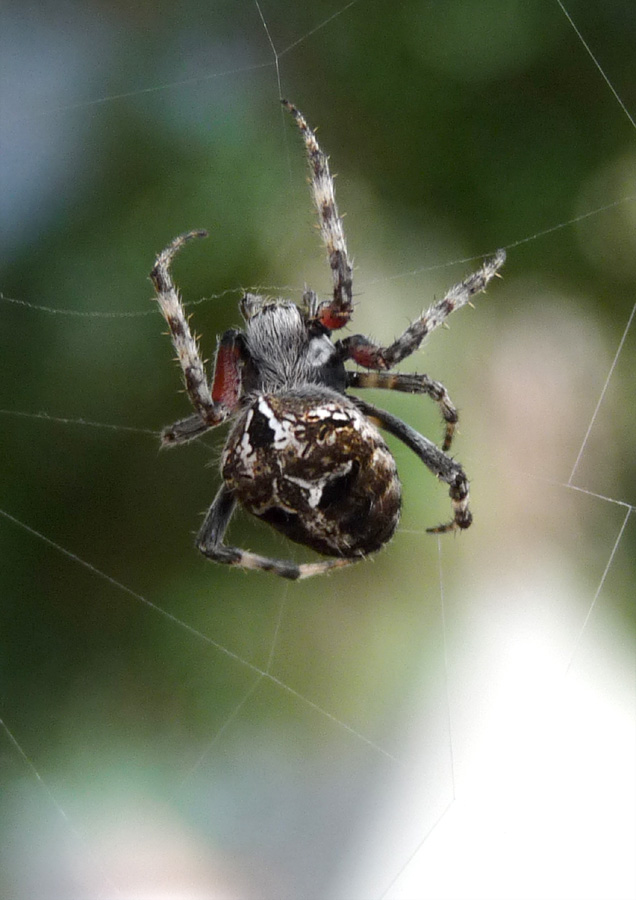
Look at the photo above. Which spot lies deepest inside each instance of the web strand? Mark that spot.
(597, 64)
(283, 290)
(588, 616)
(271, 44)
(317, 28)
(449, 718)
(66, 819)
(602, 396)
(235, 657)
(416, 850)
(198, 79)
(64, 420)
(249, 693)
(155, 89)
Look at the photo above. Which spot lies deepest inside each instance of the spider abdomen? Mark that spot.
(310, 464)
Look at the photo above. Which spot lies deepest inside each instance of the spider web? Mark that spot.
(453, 719)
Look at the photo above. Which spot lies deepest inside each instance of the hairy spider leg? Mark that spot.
(411, 384)
(184, 430)
(212, 406)
(373, 356)
(336, 313)
(210, 542)
(440, 464)
(226, 391)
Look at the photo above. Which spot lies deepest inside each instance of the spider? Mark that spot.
(302, 454)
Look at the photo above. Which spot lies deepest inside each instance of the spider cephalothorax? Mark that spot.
(302, 454)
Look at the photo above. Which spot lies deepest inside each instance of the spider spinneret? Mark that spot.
(302, 454)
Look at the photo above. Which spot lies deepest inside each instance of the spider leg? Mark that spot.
(182, 339)
(372, 356)
(336, 313)
(210, 542)
(440, 464)
(211, 407)
(411, 384)
(183, 431)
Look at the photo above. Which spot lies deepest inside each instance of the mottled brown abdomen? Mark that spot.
(310, 463)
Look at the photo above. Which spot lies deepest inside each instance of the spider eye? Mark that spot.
(312, 466)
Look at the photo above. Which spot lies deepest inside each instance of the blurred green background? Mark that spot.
(246, 754)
